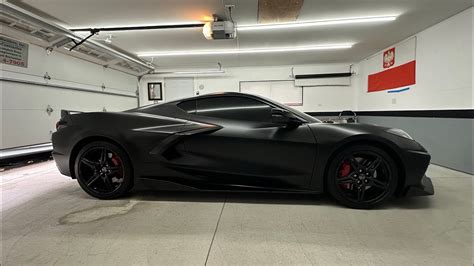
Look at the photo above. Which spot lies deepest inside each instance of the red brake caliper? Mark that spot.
(116, 160)
(344, 171)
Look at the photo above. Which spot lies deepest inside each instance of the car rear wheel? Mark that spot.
(362, 177)
(103, 170)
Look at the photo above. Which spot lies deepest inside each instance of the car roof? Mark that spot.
(217, 94)
(193, 98)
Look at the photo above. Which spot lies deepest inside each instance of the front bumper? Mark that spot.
(416, 182)
(425, 188)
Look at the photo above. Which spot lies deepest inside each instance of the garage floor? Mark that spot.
(47, 219)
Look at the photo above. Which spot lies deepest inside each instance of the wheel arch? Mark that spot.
(83, 142)
(388, 148)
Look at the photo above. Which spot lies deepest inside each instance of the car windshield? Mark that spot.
(310, 119)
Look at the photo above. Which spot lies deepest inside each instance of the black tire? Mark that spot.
(102, 176)
(362, 187)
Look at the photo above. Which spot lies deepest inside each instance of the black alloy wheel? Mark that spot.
(363, 177)
(103, 170)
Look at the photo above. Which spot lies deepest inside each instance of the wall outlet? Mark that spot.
(394, 100)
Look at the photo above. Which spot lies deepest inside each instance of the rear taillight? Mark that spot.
(60, 124)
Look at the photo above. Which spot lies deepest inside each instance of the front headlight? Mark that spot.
(399, 133)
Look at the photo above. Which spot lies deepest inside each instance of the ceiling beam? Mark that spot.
(59, 42)
(135, 28)
(113, 61)
(274, 11)
(53, 27)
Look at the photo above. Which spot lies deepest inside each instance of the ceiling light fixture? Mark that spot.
(249, 51)
(219, 70)
(315, 23)
(192, 72)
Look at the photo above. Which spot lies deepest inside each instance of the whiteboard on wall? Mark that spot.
(283, 91)
(178, 88)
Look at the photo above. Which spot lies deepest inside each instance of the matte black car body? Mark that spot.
(183, 142)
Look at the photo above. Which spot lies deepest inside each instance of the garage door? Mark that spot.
(24, 117)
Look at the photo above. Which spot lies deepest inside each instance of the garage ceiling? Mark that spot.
(414, 16)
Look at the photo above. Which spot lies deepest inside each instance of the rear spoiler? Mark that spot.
(65, 113)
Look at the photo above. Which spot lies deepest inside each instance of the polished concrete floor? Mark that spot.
(48, 219)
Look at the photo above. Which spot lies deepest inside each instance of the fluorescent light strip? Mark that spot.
(248, 51)
(315, 23)
(197, 72)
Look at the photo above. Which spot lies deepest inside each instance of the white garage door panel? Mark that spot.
(20, 96)
(26, 127)
(120, 81)
(12, 76)
(69, 69)
(25, 121)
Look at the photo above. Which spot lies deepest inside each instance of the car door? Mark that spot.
(249, 150)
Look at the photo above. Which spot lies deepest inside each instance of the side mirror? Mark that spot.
(280, 116)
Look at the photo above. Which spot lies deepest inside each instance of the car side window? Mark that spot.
(188, 106)
(234, 108)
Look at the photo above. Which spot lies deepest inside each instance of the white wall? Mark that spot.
(443, 71)
(329, 98)
(444, 76)
(24, 120)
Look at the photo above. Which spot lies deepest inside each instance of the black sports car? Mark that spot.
(238, 142)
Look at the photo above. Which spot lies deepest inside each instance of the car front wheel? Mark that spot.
(362, 177)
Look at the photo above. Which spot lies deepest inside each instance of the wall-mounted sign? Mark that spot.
(13, 52)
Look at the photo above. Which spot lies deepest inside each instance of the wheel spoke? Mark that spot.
(89, 163)
(364, 162)
(354, 163)
(93, 179)
(108, 184)
(344, 180)
(361, 193)
(114, 170)
(379, 184)
(374, 164)
(103, 156)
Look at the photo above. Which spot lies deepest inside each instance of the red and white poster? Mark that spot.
(393, 70)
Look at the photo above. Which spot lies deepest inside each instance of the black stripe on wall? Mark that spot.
(458, 113)
(322, 76)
